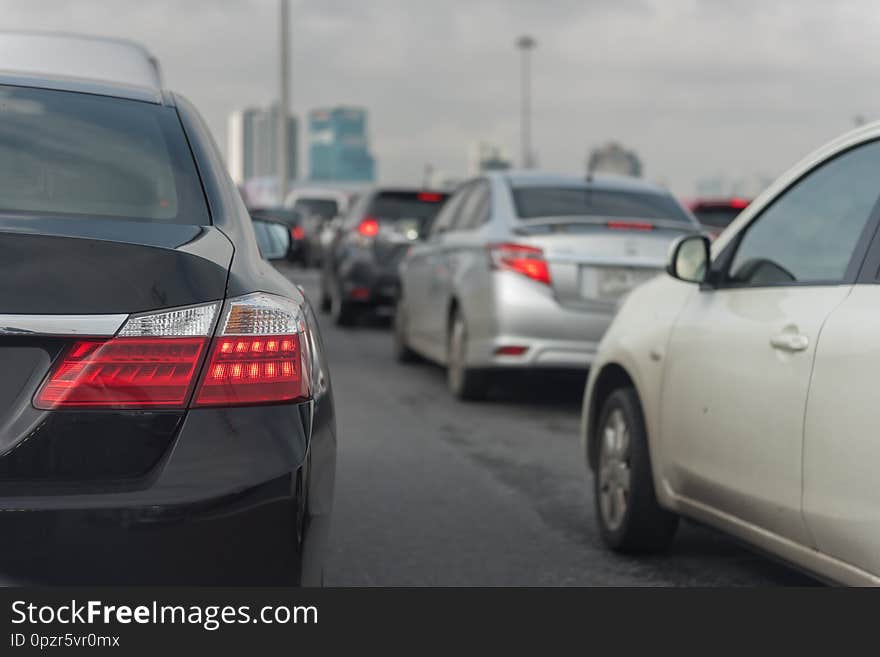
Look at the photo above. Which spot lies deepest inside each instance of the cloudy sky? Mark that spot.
(697, 87)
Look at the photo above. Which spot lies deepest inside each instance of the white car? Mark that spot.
(741, 389)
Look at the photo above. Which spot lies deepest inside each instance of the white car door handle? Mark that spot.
(790, 342)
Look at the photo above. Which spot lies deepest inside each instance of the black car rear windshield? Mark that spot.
(320, 207)
(74, 154)
(541, 202)
(717, 217)
(393, 206)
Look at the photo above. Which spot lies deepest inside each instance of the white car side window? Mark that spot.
(810, 232)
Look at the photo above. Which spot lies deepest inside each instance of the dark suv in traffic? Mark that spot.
(360, 268)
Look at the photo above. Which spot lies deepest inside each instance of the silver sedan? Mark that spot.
(524, 270)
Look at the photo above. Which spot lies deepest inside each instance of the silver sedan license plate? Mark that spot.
(614, 282)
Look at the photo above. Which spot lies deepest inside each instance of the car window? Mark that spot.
(541, 201)
(810, 232)
(716, 216)
(324, 208)
(82, 155)
(475, 209)
(417, 208)
(448, 215)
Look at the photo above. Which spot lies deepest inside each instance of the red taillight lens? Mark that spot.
(369, 227)
(526, 260)
(739, 203)
(252, 369)
(125, 372)
(630, 225)
(297, 233)
(260, 355)
(511, 350)
(429, 197)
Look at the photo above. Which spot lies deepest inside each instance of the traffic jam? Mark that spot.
(521, 377)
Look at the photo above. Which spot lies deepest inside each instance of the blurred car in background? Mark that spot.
(525, 270)
(359, 271)
(165, 408)
(317, 206)
(740, 389)
(293, 220)
(715, 214)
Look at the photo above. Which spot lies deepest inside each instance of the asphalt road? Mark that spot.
(435, 492)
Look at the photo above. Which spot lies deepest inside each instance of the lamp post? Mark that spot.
(526, 44)
(284, 100)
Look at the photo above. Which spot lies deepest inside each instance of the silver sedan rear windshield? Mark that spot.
(74, 154)
(538, 202)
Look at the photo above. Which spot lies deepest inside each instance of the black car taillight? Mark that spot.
(257, 356)
(155, 359)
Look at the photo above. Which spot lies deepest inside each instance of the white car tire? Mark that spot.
(630, 518)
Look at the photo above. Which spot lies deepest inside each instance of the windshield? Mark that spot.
(74, 154)
(321, 207)
(717, 217)
(540, 202)
(420, 207)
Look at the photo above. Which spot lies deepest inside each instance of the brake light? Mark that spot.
(257, 356)
(526, 260)
(630, 225)
(369, 227)
(429, 197)
(124, 373)
(297, 233)
(511, 350)
(152, 362)
(739, 203)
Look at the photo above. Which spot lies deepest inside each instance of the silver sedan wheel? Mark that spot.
(615, 476)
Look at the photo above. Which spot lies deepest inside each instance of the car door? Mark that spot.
(740, 355)
(439, 282)
(418, 275)
(841, 449)
(455, 260)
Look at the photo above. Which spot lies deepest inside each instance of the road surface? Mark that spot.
(434, 492)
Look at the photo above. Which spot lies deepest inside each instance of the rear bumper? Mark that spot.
(526, 314)
(248, 538)
(220, 508)
(369, 284)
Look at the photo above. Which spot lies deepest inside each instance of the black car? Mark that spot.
(165, 406)
(715, 214)
(359, 272)
(293, 219)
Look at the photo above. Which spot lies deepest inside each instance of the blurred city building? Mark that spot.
(339, 149)
(253, 144)
(614, 158)
(485, 156)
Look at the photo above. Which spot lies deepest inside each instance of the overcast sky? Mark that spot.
(696, 87)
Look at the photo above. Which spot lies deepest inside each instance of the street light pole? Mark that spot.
(284, 100)
(526, 43)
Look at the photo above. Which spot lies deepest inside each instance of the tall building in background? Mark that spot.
(614, 158)
(339, 150)
(485, 156)
(253, 144)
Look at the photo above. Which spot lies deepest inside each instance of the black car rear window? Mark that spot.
(75, 154)
(717, 217)
(540, 202)
(324, 208)
(393, 206)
